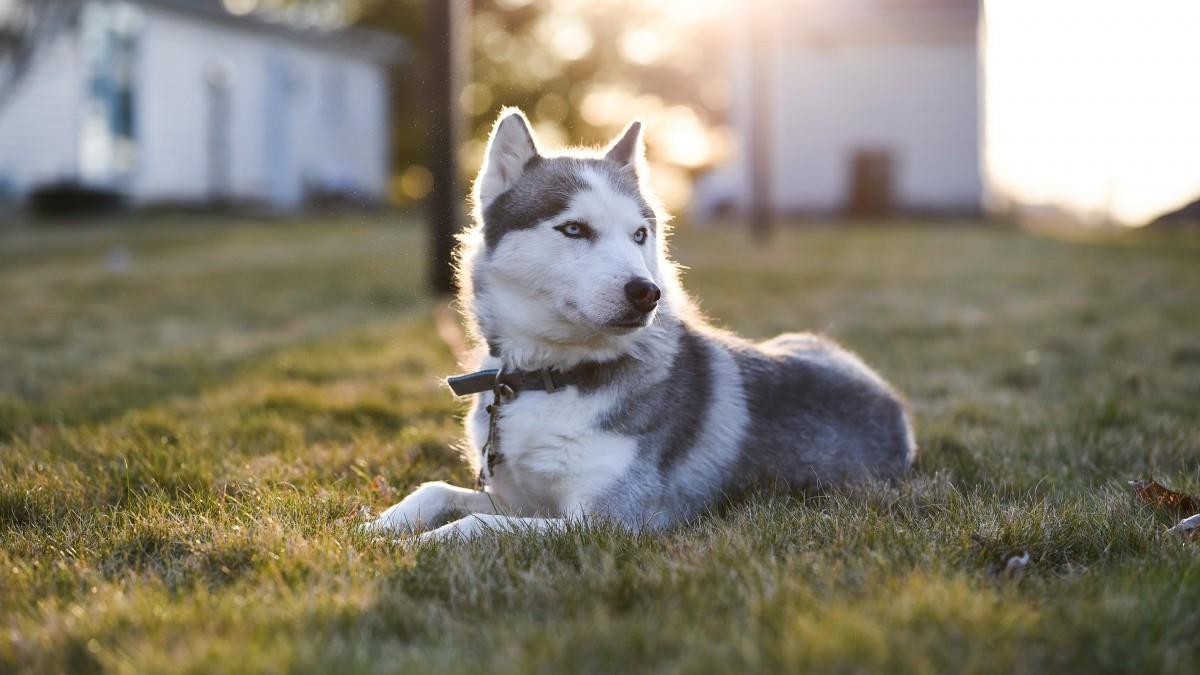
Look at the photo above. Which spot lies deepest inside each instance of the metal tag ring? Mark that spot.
(503, 392)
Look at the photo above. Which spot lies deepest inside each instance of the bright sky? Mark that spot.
(1094, 105)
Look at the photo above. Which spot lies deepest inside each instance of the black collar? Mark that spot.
(544, 379)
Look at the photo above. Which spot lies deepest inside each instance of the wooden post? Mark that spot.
(760, 156)
(448, 36)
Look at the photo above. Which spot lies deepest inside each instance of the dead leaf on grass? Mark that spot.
(1153, 493)
(358, 513)
(381, 487)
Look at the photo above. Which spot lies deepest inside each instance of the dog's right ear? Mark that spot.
(628, 149)
(510, 148)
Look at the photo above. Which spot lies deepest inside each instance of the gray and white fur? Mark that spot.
(566, 267)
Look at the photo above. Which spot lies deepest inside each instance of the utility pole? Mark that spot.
(448, 36)
(760, 156)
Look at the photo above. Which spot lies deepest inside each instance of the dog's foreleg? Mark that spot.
(428, 505)
(470, 527)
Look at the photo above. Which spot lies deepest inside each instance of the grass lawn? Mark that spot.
(193, 415)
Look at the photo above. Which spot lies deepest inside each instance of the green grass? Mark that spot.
(186, 440)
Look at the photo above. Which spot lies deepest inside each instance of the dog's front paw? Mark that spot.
(415, 513)
(463, 529)
(386, 525)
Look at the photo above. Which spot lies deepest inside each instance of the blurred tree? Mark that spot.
(580, 70)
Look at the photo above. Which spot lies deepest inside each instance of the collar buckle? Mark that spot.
(548, 380)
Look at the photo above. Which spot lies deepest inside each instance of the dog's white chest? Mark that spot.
(552, 457)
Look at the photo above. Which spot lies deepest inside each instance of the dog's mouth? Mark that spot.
(623, 324)
(628, 324)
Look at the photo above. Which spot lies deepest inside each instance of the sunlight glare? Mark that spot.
(682, 12)
(683, 137)
(641, 45)
(567, 35)
(1092, 106)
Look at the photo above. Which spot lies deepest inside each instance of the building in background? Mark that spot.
(183, 102)
(873, 109)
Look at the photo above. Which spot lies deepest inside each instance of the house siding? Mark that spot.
(275, 147)
(39, 122)
(328, 124)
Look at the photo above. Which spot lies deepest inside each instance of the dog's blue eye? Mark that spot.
(640, 236)
(575, 230)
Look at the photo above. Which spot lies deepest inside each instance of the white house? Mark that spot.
(872, 107)
(181, 101)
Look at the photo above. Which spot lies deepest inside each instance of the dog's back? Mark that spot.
(718, 416)
(817, 415)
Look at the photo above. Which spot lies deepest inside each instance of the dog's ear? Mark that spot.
(510, 148)
(627, 150)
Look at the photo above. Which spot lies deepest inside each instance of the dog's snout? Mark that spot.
(643, 295)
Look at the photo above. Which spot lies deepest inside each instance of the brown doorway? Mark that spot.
(871, 185)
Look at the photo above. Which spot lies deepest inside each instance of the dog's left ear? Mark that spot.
(627, 150)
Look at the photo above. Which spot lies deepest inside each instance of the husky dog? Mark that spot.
(606, 396)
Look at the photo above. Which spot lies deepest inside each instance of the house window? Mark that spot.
(111, 35)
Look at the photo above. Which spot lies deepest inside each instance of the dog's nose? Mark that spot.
(643, 295)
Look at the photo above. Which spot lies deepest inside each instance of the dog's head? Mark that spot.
(567, 249)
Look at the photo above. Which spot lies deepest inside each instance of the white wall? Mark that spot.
(919, 100)
(39, 123)
(173, 127)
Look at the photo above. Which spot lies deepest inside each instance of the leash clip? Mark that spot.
(503, 393)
